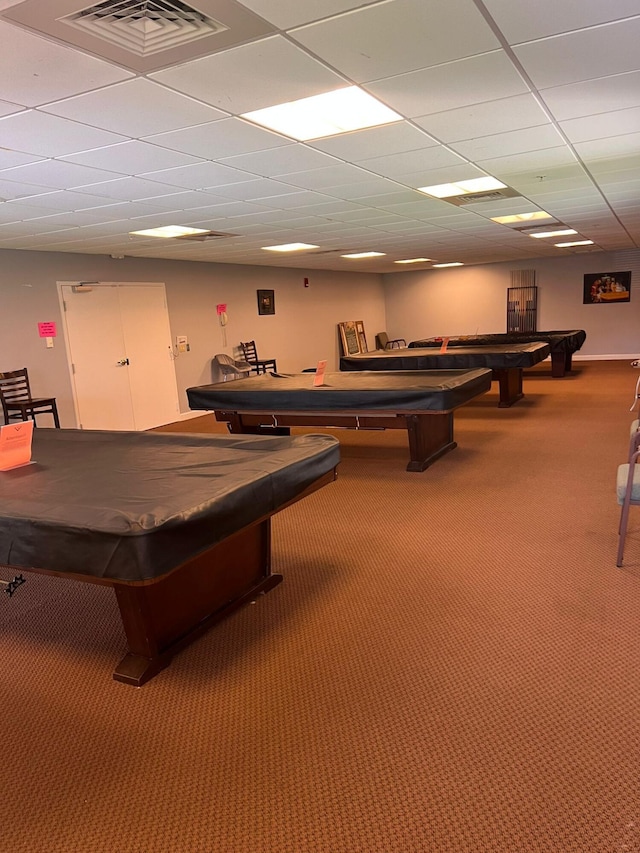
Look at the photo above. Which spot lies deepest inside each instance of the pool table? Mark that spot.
(177, 524)
(420, 402)
(563, 344)
(505, 361)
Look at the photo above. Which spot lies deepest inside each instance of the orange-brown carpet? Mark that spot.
(451, 664)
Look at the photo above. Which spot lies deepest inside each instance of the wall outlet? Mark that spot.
(182, 344)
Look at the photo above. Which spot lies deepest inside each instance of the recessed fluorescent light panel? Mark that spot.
(559, 233)
(476, 185)
(290, 247)
(521, 217)
(576, 243)
(413, 261)
(323, 115)
(169, 231)
(453, 264)
(364, 255)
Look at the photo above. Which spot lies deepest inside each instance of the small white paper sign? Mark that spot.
(15, 445)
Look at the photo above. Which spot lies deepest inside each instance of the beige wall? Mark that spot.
(464, 300)
(471, 300)
(302, 331)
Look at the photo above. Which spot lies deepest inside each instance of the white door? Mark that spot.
(119, 345)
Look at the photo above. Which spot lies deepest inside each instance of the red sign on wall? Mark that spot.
(47, 330)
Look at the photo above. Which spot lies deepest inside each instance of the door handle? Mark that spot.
(122, 362)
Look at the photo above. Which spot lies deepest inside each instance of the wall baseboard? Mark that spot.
(604, 357)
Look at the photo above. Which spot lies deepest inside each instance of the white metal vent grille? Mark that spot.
(144, 27)
(476, 198)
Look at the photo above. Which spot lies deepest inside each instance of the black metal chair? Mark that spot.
(17, 402)
(258, 365)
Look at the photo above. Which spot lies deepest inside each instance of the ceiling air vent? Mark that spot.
(477, 198)
(208, 235)
(144, 27)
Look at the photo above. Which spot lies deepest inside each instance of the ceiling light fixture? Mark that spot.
(452, 264)
(167, 231)
(290, 247)
(364, 255)
(521, 217)
(475, 185)
(413, 261)
(329, 114)
(561, 232)
(575, 243)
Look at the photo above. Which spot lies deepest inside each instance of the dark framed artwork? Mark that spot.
(601, 288)
(266, 302)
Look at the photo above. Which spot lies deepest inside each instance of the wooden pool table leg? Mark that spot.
(510, 383)
(430, 437)
(162, 617)
(560, 363)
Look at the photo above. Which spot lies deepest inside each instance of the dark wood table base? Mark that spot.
(163, 615)
(430, 435)
(510, 384)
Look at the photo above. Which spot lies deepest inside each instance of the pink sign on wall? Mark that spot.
(47, 330)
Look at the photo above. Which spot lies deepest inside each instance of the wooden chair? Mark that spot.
(383, 342)
(258, 365)
(229, 368)
(17, 402)
(628, 488)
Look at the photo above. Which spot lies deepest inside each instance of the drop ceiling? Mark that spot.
(97, 140)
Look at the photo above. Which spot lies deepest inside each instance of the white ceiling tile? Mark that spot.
(445, 87)
(536, 164)
(610, 149)
(328, 177)
(592, 97)
(599, 127)
(219, 139)
(35, 70)
(375, 142)
(259, 188)
(34, 132)
(398, 165)
(398, 36)
(131, 158)
(573, 57)
(364, 189)
(67, 200)
(509, 142)
(276, 162)
(56, 174)
(9, 159)
(525, 21)
(484, 119)
(13, 189)
(291, 201)
(291, 13)
(135, 108)
(128, 189)
(199, 176)
(7, 109)
(297, 73)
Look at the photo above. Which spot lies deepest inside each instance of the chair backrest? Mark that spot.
(382, 339)
(249, 351)
(14, 386)
(222, 358)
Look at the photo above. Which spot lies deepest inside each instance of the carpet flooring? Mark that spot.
(451, 664)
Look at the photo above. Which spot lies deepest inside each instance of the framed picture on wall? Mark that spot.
(606, 287)
(266, 302)
(352, 337)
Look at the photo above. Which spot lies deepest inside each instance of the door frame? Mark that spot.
(65, 331)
